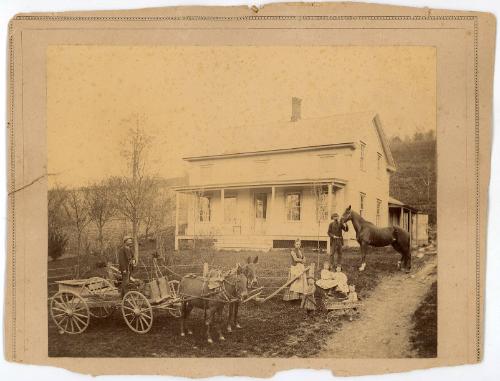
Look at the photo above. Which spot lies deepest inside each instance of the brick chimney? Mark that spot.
(296, 109)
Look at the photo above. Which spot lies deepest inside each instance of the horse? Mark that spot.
(195, 293)
(249, 270)
(367, 234)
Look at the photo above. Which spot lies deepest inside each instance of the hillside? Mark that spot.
(414, 182)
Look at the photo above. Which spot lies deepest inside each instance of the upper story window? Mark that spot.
(293, 206)
(362, 204)
(204, 209)
(379, 164)
(362, 161)
(379, 207)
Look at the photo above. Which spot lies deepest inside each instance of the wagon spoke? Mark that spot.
(71, 323)
(129, 308)
(137, 324)
(66, 325)
(62, 305)
(140, 322)
(77, 319)
(75, 324)
(59, 309)
(60, 321)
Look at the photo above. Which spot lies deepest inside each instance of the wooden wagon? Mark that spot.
(78, 300)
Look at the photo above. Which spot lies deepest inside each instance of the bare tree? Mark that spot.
(101, 208)
(135, 190)
(77, 213)
(321, 207)
(57, 239)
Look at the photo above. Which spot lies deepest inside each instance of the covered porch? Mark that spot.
(410, 219)
(259, 215)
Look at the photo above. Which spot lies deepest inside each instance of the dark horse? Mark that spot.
(367, 234)
(196, 293)
(249, 270)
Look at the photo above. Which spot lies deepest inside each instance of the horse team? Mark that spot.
(235, 284)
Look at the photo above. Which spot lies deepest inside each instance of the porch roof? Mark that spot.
(394, 203)
(339, 183)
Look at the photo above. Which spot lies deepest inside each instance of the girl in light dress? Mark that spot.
(298, 287)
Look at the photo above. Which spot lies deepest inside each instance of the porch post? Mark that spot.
(177, 203)
(273, 196)
(222, 210)
(401, 215)
(329, 213)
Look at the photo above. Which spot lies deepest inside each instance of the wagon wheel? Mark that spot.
(70, 312)
(137, 312)
(175, 308)
(101, 312)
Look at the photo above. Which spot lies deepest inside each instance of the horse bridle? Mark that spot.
(235, 285)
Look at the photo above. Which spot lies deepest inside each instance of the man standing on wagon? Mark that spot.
(126, 261)
(335, 231)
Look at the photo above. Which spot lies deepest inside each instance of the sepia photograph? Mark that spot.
(242, 201)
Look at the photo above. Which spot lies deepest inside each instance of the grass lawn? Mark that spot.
(272, 329)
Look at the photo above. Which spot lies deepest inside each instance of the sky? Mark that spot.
(187, 98)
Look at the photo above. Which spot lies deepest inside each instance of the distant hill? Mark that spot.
(414, 182)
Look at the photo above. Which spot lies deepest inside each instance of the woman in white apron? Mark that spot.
(298, 287)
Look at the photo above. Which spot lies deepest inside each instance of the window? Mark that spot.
(293, 206)
(322, 204)
(261, 205)
(379, 206)
(204, 211)
(229, 209)
(362, 201)
(362, 165)
(379, 163)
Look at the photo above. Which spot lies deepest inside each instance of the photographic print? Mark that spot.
(242, 201)
(205, 191)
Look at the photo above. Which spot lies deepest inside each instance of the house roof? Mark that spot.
(334, 131)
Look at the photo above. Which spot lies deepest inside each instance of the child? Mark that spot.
(326, 282)
(340, 281)
(308, 299)
(353, 295)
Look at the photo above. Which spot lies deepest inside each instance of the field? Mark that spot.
(273, 329)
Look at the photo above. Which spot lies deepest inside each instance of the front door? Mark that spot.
(260, 212)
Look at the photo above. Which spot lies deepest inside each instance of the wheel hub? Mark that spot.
(137, 311)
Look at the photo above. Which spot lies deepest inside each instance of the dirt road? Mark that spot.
(384, 328)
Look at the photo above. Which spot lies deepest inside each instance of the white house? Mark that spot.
(263, 191)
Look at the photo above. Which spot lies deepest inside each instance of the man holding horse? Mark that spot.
(335, 232)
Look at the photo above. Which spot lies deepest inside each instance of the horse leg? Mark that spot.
(208, 323)
(183, 318)
(219, 322)
(230, 317)
(185, 311)
(364, 249)
(236, 321)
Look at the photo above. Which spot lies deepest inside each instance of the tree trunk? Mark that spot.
(135, 234)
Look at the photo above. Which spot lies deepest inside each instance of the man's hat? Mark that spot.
(127, 237)
(335, 215)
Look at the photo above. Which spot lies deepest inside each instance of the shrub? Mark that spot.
(57, 243)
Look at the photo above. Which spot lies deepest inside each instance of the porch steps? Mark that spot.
(243, 243)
